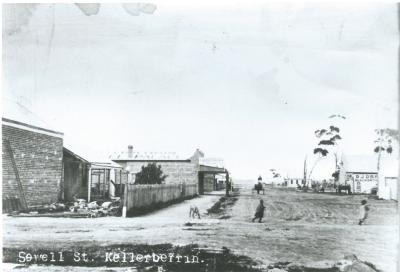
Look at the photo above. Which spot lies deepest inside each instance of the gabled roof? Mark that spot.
(29, 127)
(106, 164)
(74, 155)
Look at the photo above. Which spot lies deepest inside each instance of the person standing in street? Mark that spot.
(259, 185)
(259, 212)
(364, 208)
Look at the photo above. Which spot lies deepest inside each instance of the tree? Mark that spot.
(328, 141)
(384, 142)
(274, 173)
(150, 174)
(329, 137)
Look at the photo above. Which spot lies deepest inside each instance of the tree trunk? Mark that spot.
(315, 163)
(305, 170)
(380, 150)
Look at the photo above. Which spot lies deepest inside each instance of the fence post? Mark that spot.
(124, 208)
(125, 200)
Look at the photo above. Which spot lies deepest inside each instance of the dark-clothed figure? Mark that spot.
(259, 211)
(258, 187)
(364, 208)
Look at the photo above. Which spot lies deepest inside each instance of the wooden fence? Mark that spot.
(146, 196)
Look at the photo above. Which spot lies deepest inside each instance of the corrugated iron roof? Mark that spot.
(145, 155)
(213, 162)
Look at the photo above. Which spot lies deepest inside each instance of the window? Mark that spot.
(100, 183)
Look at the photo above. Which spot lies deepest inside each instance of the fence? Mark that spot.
(148, 196)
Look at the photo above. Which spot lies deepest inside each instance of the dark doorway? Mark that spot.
(201, 183)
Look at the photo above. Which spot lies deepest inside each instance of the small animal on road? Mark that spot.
(194, 211)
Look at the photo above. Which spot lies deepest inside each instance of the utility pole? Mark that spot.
(305, 170)
(227, 183)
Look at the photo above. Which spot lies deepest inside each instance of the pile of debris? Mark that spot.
(76, 208)
(97, 208)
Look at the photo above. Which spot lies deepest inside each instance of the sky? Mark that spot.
(246, 83)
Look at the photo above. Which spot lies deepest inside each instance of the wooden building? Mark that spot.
(76, 170)
(91, 180)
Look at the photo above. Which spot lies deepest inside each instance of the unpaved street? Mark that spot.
(298, 227)
(163, 226)
(304, 227)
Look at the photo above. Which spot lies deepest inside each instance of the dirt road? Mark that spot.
(304, 227)
(298, 227)
(163, 226)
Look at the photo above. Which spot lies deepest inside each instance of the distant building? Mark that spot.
(196, 169)
(359, 172)
(362, 182)
(293, 182)
(177, 170)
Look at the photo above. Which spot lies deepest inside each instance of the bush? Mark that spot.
(150, 174)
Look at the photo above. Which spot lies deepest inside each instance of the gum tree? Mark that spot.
(275, 174)
(384, 142)
(328, 141)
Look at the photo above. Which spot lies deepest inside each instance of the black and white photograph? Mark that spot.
(204, 136)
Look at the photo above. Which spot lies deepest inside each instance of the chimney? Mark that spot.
(196, 156)
(130, 151)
